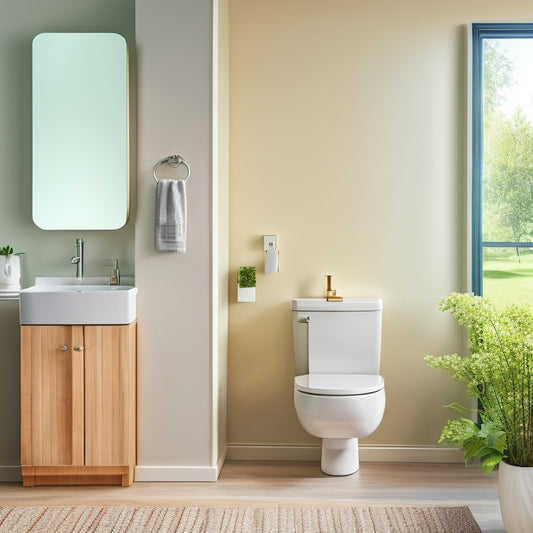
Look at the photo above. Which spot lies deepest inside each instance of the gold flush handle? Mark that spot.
(331, 294)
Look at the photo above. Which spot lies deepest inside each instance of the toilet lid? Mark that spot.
(339, 384)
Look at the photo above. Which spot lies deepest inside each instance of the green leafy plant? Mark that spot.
(246, 277)
(499, 374)
(8, 250)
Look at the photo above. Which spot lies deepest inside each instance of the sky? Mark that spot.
(520, 94)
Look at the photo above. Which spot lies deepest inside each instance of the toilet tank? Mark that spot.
(337, 337)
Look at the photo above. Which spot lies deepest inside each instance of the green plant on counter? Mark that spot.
(246, 277)
(499, 374)
(8, 250)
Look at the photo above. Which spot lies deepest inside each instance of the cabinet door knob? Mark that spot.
(64, 348)
(78, 348)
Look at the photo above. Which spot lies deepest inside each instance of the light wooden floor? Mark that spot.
(293, 483)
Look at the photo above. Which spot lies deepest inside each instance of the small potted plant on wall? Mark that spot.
(9, 269)
(246, 279)
(499, 374)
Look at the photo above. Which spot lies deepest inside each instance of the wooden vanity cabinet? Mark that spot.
(78, 404)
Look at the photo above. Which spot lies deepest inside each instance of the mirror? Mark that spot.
(80, 131)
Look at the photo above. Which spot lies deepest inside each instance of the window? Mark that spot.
(502, 161)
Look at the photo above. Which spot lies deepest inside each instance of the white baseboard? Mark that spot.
(181, 473)
(10, 474)
(369, 453)
(273, 452)
(176, 473)
(221, 459)
(410, 454)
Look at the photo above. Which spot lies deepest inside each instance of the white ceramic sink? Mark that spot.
(64, 301)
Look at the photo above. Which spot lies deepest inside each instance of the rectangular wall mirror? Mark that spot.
(80, 131)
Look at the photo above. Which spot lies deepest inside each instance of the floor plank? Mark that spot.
(293, 483)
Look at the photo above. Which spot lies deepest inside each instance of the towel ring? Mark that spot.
(173, 161)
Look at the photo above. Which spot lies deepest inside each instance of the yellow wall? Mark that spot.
(347, 123)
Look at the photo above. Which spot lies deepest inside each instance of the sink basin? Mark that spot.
(64, 301)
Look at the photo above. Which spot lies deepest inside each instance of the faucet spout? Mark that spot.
(78, 260)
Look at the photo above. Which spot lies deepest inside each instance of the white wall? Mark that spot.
(220, 220)
(178, 359)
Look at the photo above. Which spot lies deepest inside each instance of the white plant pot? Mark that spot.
(9, 273)
(245, 294)
(515, 486)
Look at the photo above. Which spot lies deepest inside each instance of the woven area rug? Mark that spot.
(356, 519)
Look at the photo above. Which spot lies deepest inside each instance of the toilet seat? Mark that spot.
(339, 384)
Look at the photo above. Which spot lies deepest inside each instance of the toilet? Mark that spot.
(339, 394)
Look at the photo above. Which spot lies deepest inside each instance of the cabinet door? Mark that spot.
(52, 395)
(110, 400)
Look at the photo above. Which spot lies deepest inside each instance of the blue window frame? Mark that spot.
(480, 32)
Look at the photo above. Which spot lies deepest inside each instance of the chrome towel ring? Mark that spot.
(173, 161)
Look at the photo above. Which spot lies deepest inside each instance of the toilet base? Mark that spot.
(340, 457)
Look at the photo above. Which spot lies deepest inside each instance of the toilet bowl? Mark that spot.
(339, 394)
(339, 408)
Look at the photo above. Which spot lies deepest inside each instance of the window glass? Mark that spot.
(502, 170)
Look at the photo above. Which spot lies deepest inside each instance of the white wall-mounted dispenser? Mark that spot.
(272, 254)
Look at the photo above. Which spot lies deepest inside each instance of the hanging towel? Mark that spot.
(171, 216)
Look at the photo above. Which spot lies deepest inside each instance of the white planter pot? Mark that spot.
(515, 486)
(9, 273)
(246, 294)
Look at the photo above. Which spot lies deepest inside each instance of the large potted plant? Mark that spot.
(499, 374)
(9, 269)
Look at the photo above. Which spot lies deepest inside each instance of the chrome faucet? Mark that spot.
(78, 260)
